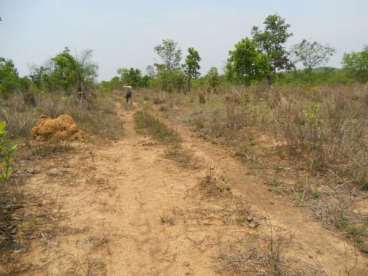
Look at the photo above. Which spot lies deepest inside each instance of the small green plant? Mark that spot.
(312, 114)
(7, 150)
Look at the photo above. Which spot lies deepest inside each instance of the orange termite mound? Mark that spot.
(62, 128)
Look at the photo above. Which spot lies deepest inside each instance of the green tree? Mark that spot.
(133, 77)
(63, 71)
(169, 75)
(170, 80)
(356, 64)
(169, 53)
(69, 72)
(271, 41)
(109, 86)
(213, 78)
(191, 67)
(130, 76)
(311, 54)
(40, 77)
(246, 63)
(86, 72)
(9, 79)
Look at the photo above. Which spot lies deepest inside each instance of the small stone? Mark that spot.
(249, 218)
(33, 171)
(54, 172)
(253, 224)
(187, 264)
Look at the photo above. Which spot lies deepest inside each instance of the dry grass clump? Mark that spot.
(212, 187)
(44, 150)
(95, 116)
(181, 156)
(147, 124)
(264, 255)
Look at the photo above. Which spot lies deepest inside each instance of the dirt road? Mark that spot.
(123, 209)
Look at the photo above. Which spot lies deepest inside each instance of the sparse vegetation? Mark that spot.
(147, 124)
(316, 136)
(301, 131)
(7, 151)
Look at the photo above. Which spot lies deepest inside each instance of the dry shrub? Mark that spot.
(265, 255)
(19, 117)
(202, 98)
(327, 128)
(212, 187)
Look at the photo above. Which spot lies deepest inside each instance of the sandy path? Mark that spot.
(128, 211)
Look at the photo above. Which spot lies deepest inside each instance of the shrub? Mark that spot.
(7, 150)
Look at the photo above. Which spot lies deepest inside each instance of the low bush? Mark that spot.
(7, 150)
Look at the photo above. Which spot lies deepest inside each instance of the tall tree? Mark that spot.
(170, 54)
(246, 63)
(271, 41)
(213, 78)
(311, 54)
(356, 64)
(169, 74)
(191, 67)
(69, 72)
(9, 79)
(86, 71)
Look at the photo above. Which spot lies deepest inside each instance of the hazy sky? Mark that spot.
(123, 33)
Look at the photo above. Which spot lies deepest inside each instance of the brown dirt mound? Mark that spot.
(62, 128)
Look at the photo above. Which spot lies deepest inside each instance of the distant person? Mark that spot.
(129, 95)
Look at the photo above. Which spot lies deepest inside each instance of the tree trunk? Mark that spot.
(189, 84)
(270, 79)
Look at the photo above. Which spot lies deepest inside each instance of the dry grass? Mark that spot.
(46, 150)
(96, 116)
(307, 142)
(182, 157)
(264, 255)
(147, 124)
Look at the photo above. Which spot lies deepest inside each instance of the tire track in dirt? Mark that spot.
(311, 242)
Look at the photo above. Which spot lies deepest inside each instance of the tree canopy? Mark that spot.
(356, 64)
(246, 62)
(191, 66)
(311, 54)
(271, 41)
(169, 53)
